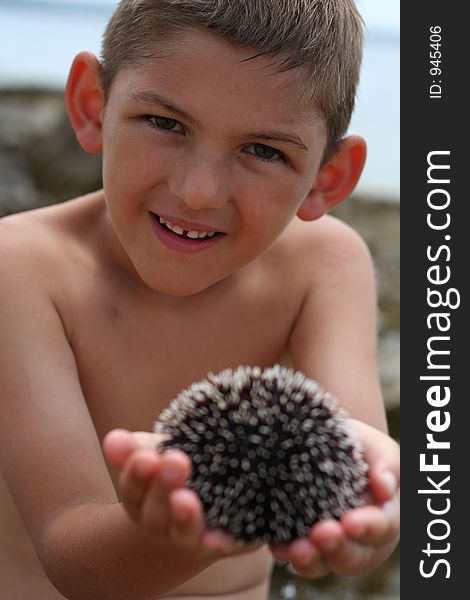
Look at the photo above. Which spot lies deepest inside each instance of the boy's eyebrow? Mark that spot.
(278, 136)
(153, 98)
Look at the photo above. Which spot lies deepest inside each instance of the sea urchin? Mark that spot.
(270, 452)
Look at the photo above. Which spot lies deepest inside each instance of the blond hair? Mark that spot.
(322, 37)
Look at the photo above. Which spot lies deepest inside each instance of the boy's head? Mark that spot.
(212, 138)
(323, 38)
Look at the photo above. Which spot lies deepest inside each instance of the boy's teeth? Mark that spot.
(190, 234)
(176, 229)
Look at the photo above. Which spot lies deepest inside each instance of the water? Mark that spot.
(39, 38)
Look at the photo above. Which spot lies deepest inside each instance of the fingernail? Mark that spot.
(390, 481)
(390, 508)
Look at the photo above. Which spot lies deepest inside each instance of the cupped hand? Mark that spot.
(152, 488)
(364, 537)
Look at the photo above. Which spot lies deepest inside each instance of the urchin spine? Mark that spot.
(270, 452)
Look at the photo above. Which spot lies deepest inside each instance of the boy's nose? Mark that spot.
(199, 181)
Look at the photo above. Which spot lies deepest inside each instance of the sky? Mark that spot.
(37, 46)
(381, 13)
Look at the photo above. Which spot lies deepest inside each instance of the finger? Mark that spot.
(307, 560)
(382, 453)
(383, 483)
(135, 479)
(304, 557)
(186, 516)
(225, 544)
(302, 553)
(314, 570)
(349, 558)
(117, 445)
(327, 535)
(281, 553)
(173, 470)
(339, 553)
(146, 439)
(220, 541)
(372, 525)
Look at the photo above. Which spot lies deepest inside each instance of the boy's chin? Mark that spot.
(179, 288)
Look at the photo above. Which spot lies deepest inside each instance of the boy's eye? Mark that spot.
(265, 152)
(164, 123)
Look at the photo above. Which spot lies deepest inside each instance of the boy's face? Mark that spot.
(209, 143)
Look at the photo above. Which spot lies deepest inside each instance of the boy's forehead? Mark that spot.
(200, 63)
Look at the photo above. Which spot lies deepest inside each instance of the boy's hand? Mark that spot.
(364, 537)
(153, 491)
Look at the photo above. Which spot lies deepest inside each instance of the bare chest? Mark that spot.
(133, 358)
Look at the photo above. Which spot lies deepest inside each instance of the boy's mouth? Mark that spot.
(184, 233)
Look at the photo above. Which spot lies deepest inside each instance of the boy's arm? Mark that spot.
(334, 337)
(334, 342)
(51, 458)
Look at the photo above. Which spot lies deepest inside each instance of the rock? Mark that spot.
(41, 162)
(18, 190)
(389, 367)
(58, 163)
(20, 119)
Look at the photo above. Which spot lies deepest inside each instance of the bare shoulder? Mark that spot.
(329, 236)
(25, 239)
(324, 248)
(36, 246)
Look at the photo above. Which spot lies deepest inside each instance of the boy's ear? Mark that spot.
(336, 179)
(85, 101)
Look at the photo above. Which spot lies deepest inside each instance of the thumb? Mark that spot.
(382, 453)
(118, 444)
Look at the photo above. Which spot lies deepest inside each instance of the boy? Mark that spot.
(219, 122)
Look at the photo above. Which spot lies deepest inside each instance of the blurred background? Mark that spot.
(41, 163)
